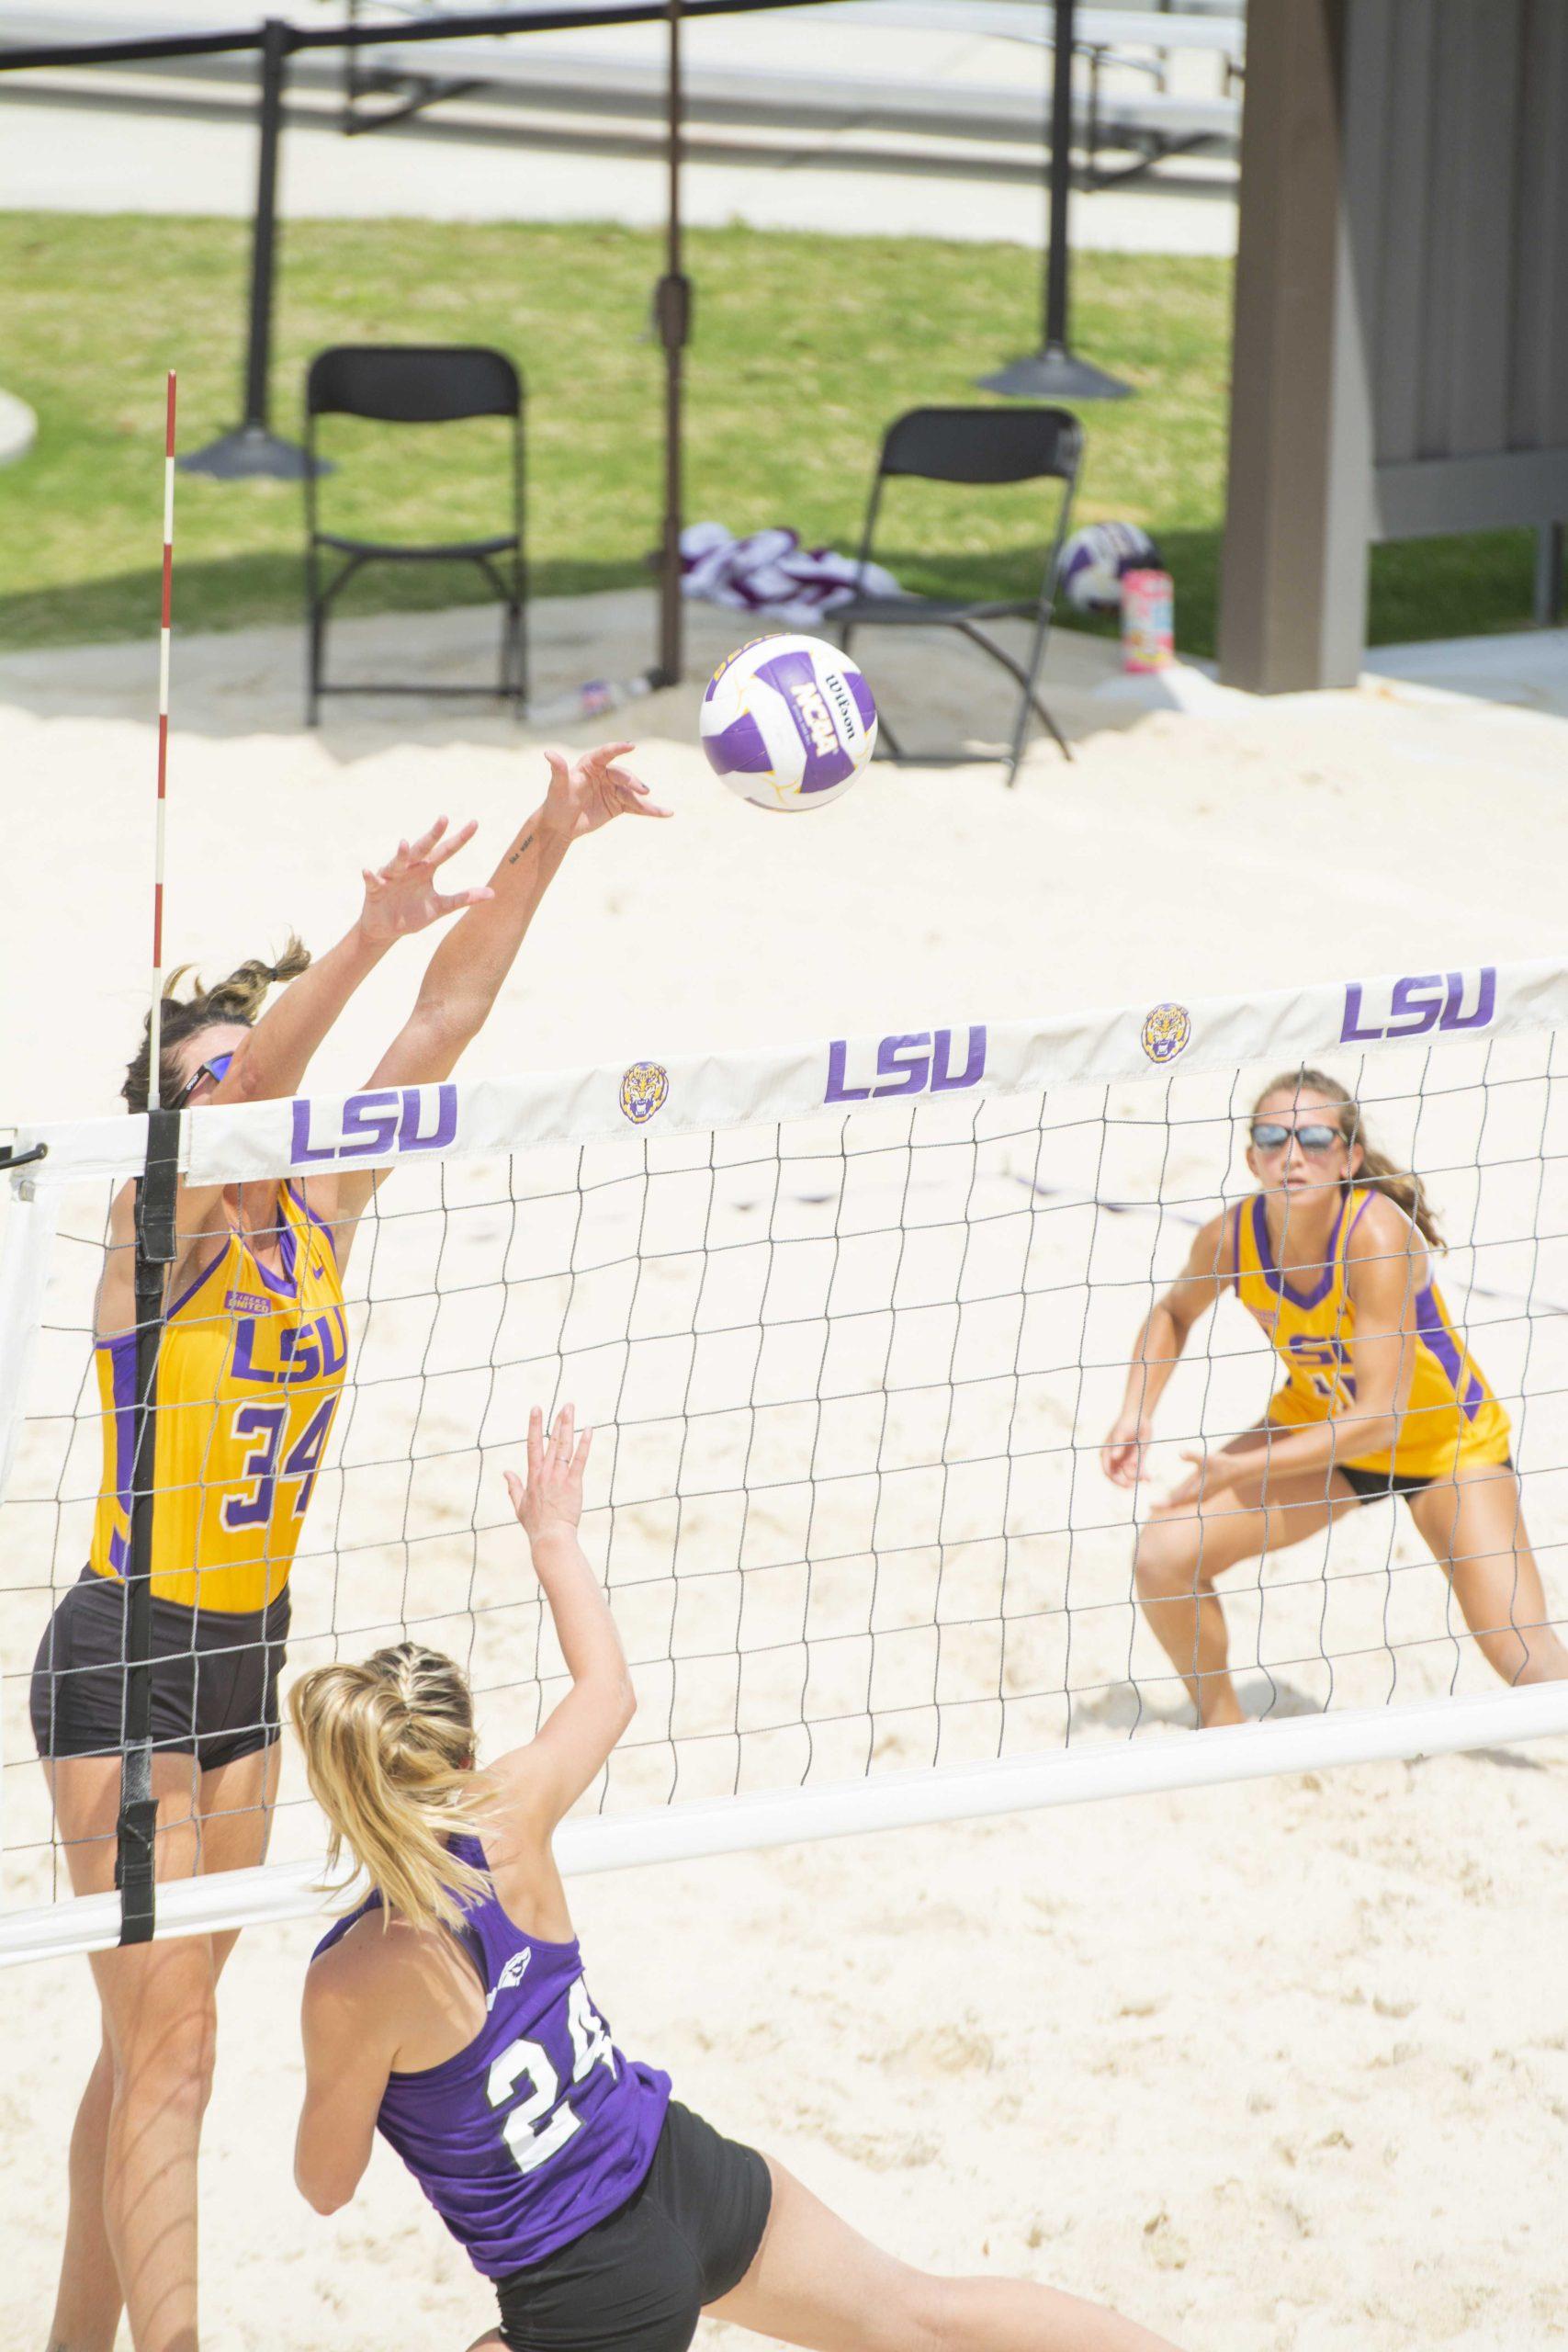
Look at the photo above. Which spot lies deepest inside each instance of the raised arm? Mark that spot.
(1162, 1337)
(541, 1782)
(270, 1060)
(468, 971)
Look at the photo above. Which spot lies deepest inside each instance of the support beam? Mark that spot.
(1294, 592)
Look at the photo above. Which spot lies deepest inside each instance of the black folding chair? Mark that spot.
(416, 384)
(975, 446)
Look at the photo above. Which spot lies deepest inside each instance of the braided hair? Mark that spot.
(237, 999)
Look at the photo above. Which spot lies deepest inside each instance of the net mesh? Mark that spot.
(850, 1376)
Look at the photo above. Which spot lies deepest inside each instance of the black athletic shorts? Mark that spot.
(1377, 1486)
(638, 2281)
(214, 1675)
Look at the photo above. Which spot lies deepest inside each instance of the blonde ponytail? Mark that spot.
(1401, 1185)
(388, 1748)
(237, 999)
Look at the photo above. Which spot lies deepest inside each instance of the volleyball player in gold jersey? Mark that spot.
(1333, 1258)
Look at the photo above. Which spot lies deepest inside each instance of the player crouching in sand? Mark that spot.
(1333, 1258)
(449, 2011)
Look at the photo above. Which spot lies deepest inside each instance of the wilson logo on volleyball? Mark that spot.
(927, 1061)
(379, 1126)
(1420, 1001)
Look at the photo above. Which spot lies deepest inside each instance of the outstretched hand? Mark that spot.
(401, 896)
(1213, 1473)
(551, 1501)
(586, 792)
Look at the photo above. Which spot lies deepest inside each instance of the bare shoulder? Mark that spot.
(357, 1961)
(1380, 1229)
(508, 1796)
(378, 1986)
(510, 1803)
(1381, 1237)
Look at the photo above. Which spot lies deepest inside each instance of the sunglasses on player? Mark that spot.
(1270, 1134)
(217, 1069)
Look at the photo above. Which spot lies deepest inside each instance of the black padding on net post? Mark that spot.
(136, 1830)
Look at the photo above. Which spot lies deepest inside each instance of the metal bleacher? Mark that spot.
(1144, 117)
(1124, 101)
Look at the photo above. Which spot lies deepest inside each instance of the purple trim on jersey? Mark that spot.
(122, 1363)
(287, 1284)
(1433, 1326)
(539, 2128)
(296, 1194)
(1276, 1281)
(190, 1290)
(738, 749)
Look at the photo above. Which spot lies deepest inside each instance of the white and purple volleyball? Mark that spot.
(1095, 558)
(788, 723)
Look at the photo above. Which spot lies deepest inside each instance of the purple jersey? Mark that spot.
(539, 2128)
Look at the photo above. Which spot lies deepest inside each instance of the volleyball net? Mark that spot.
(851, 1323)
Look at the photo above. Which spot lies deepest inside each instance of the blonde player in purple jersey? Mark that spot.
(1333, 1258)
(450, 2013)
(252, 1360)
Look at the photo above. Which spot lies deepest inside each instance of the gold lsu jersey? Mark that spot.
(1450, 1417)
(250, 1372)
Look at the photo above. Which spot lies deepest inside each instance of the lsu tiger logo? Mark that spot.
(1165, 1031)
(644, 1090)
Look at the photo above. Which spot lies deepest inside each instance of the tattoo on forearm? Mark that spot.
(526, 842)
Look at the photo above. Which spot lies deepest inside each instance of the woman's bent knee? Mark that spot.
(1165, 1565)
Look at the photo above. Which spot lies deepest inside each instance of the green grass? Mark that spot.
(804, 347)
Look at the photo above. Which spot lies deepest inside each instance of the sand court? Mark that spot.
(1025, 2042)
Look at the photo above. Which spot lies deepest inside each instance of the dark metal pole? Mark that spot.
(673, 320)
(1058, 185)
(252, 448)
(1053, 373)
(1549, 579)
(136, 1829)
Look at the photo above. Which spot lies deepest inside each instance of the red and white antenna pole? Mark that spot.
(155, 1039)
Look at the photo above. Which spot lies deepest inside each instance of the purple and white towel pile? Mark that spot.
(769, 571)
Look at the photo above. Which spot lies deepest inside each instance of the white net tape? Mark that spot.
(853, 1323)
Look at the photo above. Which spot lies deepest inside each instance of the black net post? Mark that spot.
(1054, 372)
(252, 448)
(156, 1191)
(672, 324)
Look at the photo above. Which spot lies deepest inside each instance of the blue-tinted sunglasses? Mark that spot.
(217, 1069)
(1273, 1134)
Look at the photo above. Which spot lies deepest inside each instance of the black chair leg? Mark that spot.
(313, 640)
(1026, 680)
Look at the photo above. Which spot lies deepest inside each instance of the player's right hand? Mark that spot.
(550, 1503)
(1122, 1455)
(401, 896)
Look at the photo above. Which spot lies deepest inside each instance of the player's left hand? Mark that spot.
(1212, 1475)
(401, 896)
(549, 1502)
(586, 792)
